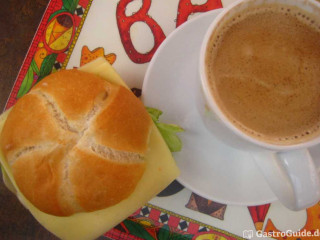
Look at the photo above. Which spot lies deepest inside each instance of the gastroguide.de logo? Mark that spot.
(250, 234)
(247, 234)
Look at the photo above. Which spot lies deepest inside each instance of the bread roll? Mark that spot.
(76, 143)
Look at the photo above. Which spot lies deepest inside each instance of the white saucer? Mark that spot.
(208, 167)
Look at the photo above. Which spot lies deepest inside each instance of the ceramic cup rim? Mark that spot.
(233, 9)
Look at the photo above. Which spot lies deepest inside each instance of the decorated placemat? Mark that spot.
(127, 33)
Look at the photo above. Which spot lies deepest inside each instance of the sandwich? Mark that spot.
(81, 146)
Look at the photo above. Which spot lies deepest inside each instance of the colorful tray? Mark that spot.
(127, 33)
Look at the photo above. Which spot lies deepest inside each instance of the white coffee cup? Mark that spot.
(289, 170)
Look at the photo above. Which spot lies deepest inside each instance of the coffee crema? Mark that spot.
(263, 69)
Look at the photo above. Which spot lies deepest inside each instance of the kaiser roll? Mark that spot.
(76, 143)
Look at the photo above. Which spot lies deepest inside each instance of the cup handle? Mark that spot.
(292, 176)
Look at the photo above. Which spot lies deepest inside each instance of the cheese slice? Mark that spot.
(102, 68)
(161, 170)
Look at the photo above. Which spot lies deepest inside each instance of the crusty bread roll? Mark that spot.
(76, 143)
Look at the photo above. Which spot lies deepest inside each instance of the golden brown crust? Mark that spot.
(73, 91)
(76, 143)
(28, 124)
(38, 175)
(121, 125)
(97, 189)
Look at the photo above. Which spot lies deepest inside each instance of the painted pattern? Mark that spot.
(154, 223)
(56, 43)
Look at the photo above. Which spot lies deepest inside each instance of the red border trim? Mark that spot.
(27, 61)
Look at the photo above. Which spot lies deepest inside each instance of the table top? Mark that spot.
(19, 21)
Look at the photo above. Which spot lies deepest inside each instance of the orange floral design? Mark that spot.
(88, 56)
(312, 226)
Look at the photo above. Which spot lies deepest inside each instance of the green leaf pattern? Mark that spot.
(70, 5)
(35, 67)
(26, 83)
(137, 230)
(47, 65)
(163, 232)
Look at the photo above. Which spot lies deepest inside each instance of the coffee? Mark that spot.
(263, 68)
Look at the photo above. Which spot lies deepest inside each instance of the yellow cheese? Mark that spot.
(102, 68)
(161, 170)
